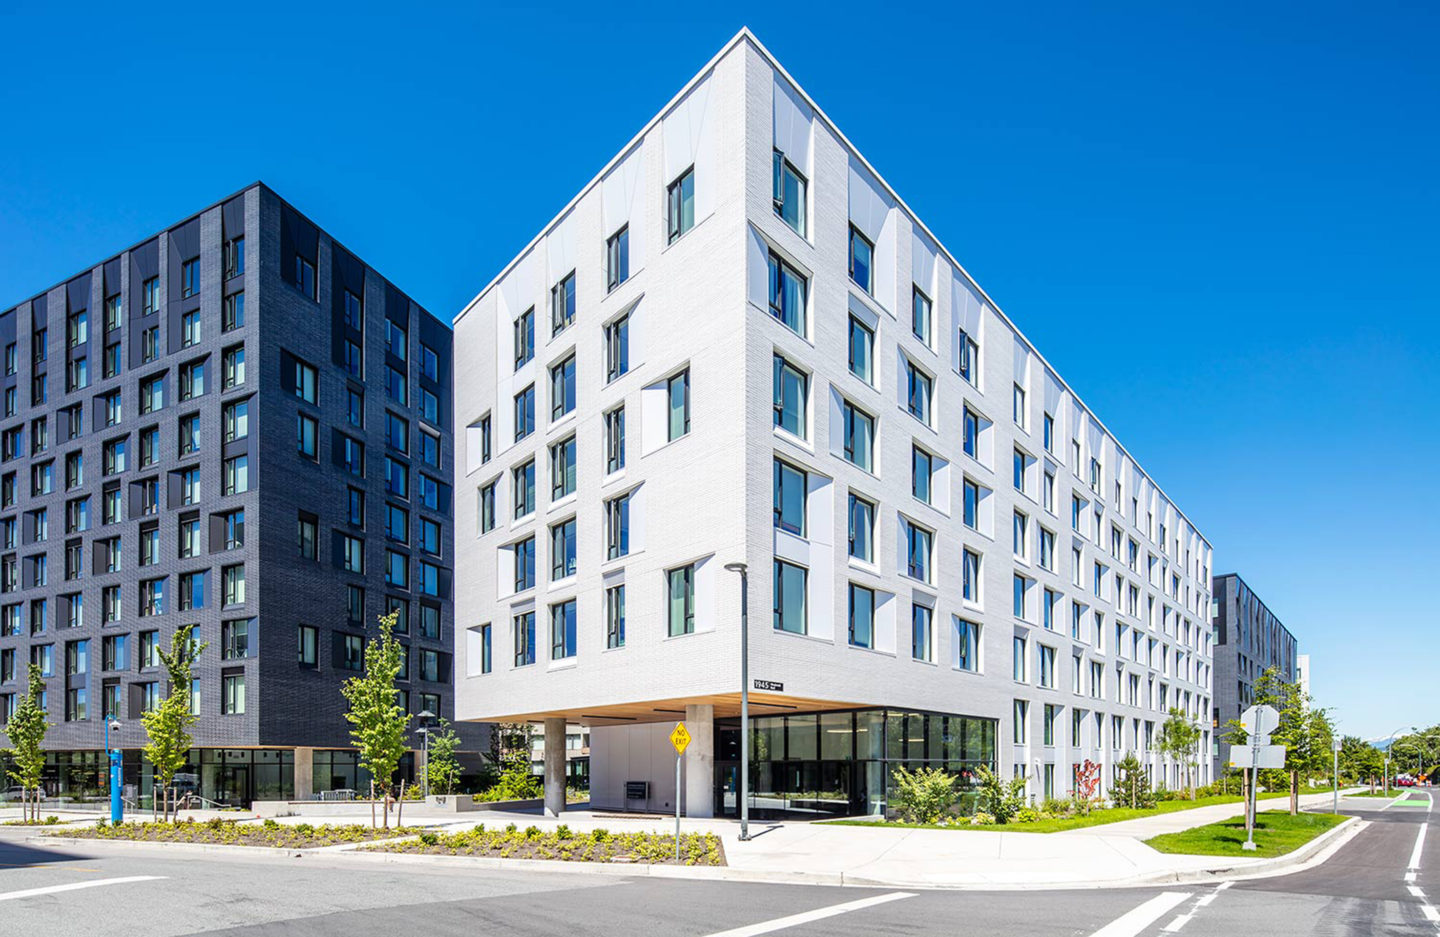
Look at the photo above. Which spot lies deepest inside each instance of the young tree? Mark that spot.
(1304, 730)
(1087, 786)
(26, 729)
(1132, 786)
(442, 769)
(167, 726)
(1179, 738)
(378, 721)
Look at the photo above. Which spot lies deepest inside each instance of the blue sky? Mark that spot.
(1217, 220)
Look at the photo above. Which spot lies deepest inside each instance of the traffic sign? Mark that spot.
(1258, 756)
(1260, 720)
(680, 738)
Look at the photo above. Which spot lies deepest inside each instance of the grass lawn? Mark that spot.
(1390, 796)
(1060, 824)
(1276, 833)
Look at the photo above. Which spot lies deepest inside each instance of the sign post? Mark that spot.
(1335, 801)
(1259, 722)
(680, 738)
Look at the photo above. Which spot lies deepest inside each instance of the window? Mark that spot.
(235, 475)
(486, 508)
(306, 380)
(152, 394)
(921, 313)
(969, 358)
(859, 437)
(397, 569)
(111, 361)
(1047, 491)
(617, 527)
(615, 616)
(525, 564)
(862, 350)
(617, 258)
(150, 344)
(680, 594)
(306, 536)
(232, 694)
(919, 543)
(232, 579)
(232, 373)
(397, 433)
(1021, 588)
(862, 616)
(397, 386)
(232, 314)
(482, 639)
(617, 348)
(1047, 549)
(305, 432)
(235, 420)
(397, 523)
(190, 277)
(919, 390)
(862, 260)
(305, 276)
(562, 304)
(235, 257)
(525, 413)
(1019, 647)
(677, 393)
(921, 470)
(429, 363)
(970, 575)
(970, 510)
(1020, 540)
(429, 536)
(562, 388)
(235, 639)
(789, 598)
(790, 491)
(524, 638)
(562, 630)
(352, 554)
(562, 549)
(862, 528)
(614, 440)
(1047, 666)
(152, 597)
(967, 645)
(680, 204)
(308, 641)
(524, 483)
(921, 618)
(792, 388)
(524, 329)
(787, 294)
(190, 328)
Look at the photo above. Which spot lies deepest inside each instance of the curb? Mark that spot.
(1314, 853)
(222, 848)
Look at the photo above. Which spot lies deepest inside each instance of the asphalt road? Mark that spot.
(1362, 891)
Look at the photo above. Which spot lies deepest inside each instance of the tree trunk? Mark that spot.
(373, 824)
(1294, 793)
(400, 812)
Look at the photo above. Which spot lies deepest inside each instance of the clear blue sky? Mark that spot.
(1218, 220)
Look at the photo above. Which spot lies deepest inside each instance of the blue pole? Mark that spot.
(117, 806)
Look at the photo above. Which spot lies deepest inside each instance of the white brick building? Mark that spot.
(810, 385)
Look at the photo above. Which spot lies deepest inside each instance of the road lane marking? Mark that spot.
(1416, 891)
(1419, 844)
(1430, 913)
(1180, 921)
(1409, 877)
(819, 914)
(1132, 922)
(75, 886)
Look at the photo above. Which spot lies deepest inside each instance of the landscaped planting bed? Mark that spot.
(1276, 833)
(231, 833)
(566, 845)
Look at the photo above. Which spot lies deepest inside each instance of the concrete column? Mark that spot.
(304, 773)
(699, 762)
(554, 767)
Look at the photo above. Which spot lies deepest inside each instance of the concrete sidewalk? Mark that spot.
(1102, 856)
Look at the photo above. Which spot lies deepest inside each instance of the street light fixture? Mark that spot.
(742, 569)
(425, 718)
(117, 804)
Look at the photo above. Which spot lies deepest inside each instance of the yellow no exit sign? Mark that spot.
(680, 738)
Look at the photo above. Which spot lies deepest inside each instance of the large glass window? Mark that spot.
(789, 604)
(792, 387)
(680, 594)
(562, 630)
(562, 549)
(862, 616)
(790, 485)
(787, 294)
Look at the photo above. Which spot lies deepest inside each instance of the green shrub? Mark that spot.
(429, 839)
(999, 798)
(563, 832)
(923, 795)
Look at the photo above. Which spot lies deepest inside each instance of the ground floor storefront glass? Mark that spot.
(843, 763)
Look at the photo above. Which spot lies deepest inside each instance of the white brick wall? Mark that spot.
(709, 495)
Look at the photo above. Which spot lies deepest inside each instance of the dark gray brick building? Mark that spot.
(238, 424)
(1249, 640)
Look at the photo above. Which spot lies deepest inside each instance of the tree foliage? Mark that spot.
(27, 728)
(378, 721)
(1087, 786)
(1306, 731)
(923, 795)
(1180, 739)
(1000, 798)
(442, 768)
(1131, 787)
(167, 726)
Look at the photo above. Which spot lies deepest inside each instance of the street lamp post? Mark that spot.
(1335, 800)
(1388, 743)
(744, 697)
(117, 804)
(425, 719)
